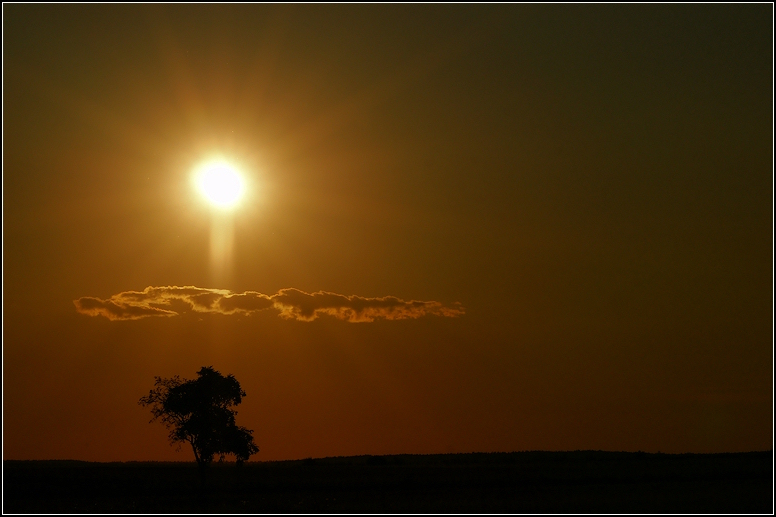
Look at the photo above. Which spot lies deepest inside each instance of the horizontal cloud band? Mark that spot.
(291, 303)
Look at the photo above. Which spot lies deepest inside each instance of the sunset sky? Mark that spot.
(464, 228)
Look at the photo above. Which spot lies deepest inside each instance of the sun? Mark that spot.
(220, 184)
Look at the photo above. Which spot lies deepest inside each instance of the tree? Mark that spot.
(199, 411)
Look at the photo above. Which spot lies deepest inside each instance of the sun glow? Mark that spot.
(220, 184)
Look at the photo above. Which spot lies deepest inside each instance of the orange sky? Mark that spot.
(468, 228)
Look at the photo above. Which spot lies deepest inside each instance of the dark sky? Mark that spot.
(581, 195)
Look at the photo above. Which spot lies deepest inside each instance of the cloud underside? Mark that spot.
(291, 304)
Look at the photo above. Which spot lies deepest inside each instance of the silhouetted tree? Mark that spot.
(199, 411)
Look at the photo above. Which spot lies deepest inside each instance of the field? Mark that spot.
(520, 482)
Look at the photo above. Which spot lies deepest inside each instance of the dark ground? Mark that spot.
(520, 482)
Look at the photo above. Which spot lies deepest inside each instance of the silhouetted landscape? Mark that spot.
(518, 482)
(246, 244)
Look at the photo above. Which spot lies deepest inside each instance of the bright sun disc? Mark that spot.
(220, 184)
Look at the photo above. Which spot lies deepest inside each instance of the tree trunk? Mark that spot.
(196, 456)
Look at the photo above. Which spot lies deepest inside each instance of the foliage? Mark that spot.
(199, 411)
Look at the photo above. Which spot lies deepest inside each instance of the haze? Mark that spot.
(465, 228)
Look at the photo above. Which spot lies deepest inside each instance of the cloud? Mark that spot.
(117, 311)
(290, 303)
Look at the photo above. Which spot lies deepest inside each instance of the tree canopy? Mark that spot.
(199, 411)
